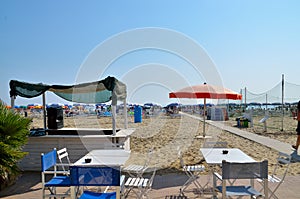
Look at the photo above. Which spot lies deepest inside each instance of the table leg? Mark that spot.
(266, 188)
(214, 186)
(73, 192)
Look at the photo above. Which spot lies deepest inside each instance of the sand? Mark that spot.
(165, 136)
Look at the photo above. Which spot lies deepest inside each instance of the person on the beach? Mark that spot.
(298, 128)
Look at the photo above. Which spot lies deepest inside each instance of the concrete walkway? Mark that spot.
(164, 187)
(266, 141)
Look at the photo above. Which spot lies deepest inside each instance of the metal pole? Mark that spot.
(12, 103)
(44, 111)
(266, 102)
(282, 101)
(266, 114)
(204, 109)
(113, 110)
(125, 115)
(245, 99)
(241, 103)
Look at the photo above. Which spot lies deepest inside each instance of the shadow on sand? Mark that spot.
(295, 157)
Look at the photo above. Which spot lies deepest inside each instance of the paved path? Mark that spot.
(164, 187)
(269, 142)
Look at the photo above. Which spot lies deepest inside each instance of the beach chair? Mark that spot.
(215, 144)
(193, 174)
(64, 160)
(136, 179)
(236, 171)
(138, 170)
(140, 185)
(275, 180)
(95, 176)
(58, 180)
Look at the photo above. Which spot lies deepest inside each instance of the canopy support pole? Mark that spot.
(12, 103)
(125, 115)
(44, 111)
(113, 110)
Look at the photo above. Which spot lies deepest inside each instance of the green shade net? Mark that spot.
(94, 92)
(95, 97)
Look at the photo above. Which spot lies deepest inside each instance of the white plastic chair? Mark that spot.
(142, 184)
(193, 173)
(136, 179)
(283, 161)
(64, 160)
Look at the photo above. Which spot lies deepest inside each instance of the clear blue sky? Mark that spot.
(252, 43)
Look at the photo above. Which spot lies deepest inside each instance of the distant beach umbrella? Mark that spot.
(23, 106)
(205, 91)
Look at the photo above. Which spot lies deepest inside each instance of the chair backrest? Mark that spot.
(95, 176)
(63, 157)
(249, 170)
(48, 160)
(215, 145)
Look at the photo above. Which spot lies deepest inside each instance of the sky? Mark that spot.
(154, 47)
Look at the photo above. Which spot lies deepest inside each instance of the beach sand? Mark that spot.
(165, 136)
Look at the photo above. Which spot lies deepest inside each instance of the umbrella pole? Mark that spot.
(204, 110)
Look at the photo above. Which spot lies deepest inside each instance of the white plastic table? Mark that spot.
(216, 156)
(105, 157)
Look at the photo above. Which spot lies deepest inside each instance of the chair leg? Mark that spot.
(272, 192)
(192, 179)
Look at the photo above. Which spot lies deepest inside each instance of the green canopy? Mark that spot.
(94, 92)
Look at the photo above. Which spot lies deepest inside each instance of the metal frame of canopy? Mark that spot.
(54, 88)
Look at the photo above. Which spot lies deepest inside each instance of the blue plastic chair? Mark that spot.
(96, 176)
(59, 179)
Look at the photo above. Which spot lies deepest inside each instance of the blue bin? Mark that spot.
(137, 114)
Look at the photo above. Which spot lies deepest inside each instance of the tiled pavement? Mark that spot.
(165, 186)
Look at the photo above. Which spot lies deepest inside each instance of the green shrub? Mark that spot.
(14, 130)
